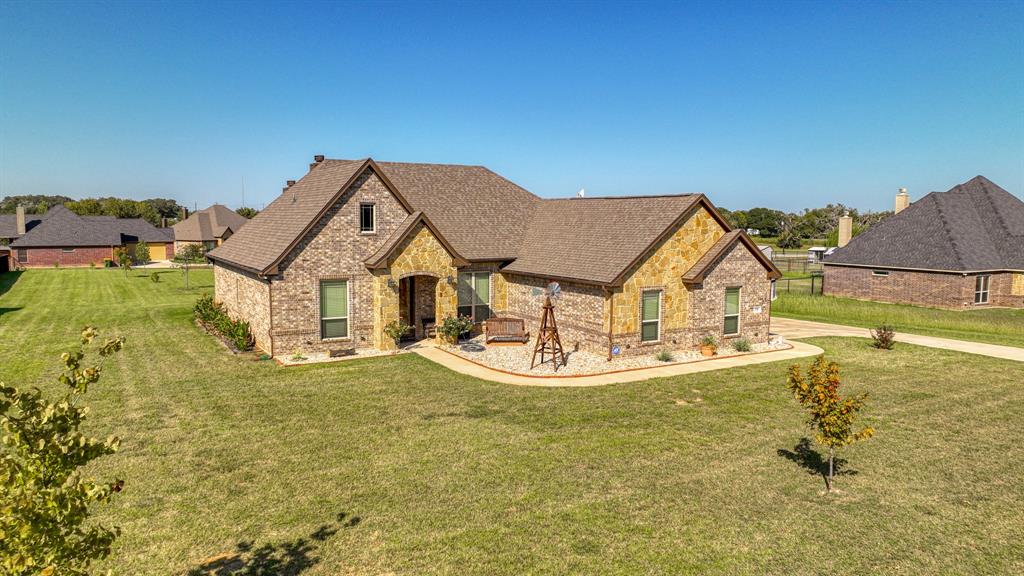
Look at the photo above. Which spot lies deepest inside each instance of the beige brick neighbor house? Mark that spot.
(356, 244)
(959, 249)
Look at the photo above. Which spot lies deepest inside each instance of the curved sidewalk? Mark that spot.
(792, 329)
(463, 366)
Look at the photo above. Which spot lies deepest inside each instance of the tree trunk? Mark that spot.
(831, 460)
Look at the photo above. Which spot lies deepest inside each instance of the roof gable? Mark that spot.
(706, 264)
(209, 224)
(379, 259)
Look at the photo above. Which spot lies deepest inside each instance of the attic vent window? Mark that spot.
(879, 272)
(367, 218)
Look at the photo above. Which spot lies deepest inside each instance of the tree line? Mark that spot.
(153, 210)
(792, 229)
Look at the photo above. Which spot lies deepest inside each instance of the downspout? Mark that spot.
(611, 318)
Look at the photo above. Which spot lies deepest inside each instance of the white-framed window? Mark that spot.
(775, 293)
(333, 309)
(732, 312)
(650, 316)
(367, 218)
(879, 272)
(67, 250)
(981, 289)
(475, 295)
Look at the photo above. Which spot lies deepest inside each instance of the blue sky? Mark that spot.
(786, 105)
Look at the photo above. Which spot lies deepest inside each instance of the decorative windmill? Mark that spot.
(547, 337)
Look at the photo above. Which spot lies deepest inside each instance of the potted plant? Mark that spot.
(452, 327)
(708, 345)
(396, 330)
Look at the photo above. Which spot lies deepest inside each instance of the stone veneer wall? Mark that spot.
(663, 269)
(246, 296)
(418, 255)
(334, 249)
(737, 268)
(579, 311)
(937, 289)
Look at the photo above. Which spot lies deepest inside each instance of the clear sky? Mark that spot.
(786, 105)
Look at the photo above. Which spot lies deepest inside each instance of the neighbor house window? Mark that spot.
(775, 293)
(879, 272)
(732, 311)
(334, 309)
(367, 218)
(475, 295)
(67, 250)
(981, 289)
(650, 316)
(22, 255)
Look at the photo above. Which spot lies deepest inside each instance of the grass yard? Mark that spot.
(993, 325)
(397, 466)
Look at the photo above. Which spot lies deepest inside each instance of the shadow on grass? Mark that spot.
(283, 558)
(8, 279)
(805, 456)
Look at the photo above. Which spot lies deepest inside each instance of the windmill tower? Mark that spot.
(548, 341)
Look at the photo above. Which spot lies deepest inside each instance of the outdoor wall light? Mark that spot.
(391, 283)
(451, 280)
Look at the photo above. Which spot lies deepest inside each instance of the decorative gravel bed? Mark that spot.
(318, 357)
(516, 359)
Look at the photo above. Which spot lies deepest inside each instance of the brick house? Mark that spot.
(356, 244)
(208, 227)
(62, 238)
(959, 249)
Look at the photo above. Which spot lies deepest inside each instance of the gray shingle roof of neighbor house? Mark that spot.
(9, 224)
(482, 216)
(209, 224)
(974, 227)
(62, 227)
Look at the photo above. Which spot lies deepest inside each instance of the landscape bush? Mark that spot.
(741, 345)
(452, 327)
(883, 337)
(212, 316)
(663, 356)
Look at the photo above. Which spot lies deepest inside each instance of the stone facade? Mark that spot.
(420, 254)
(936, 289)
(738, 268)
(245, 295)
(663, 270)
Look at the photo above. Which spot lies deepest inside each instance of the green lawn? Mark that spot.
(994, 325)
(435, 473)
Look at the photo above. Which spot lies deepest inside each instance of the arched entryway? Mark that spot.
(417, 304)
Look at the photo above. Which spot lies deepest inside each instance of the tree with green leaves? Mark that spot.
(189, 254)
(247, 212)
(832, 416)
(45, 499)
(123, 259)
(141, 252)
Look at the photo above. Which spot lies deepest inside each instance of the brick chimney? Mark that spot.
(902, 200)
(845, 229)
(20, 218)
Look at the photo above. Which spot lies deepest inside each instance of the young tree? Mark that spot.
(141, 252)
(832, 416)
(247, 212)
(44, 498)
(189, 254)
(123, 259)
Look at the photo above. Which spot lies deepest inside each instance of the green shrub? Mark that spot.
(453, 327)
(396, 330)
(709, 340)
(663, 356)
(211, 314)
(155, 277)
(741, 345)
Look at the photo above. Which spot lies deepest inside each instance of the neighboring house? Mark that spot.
(62, 238)
(10, 224)
(356, 244)
(208, 228)
(955, 249)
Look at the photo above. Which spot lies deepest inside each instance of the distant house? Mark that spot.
(208, 228)
(955, 249)
(61, 237)
(358, 244)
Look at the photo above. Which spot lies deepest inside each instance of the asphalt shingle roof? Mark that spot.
(62, 227)
(209, 224)
(975, 226)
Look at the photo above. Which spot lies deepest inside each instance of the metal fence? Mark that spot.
(800, 265)
(801, 285)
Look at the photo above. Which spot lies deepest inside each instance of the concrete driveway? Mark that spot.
(794, 329)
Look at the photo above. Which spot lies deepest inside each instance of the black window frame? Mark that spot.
(372, 228)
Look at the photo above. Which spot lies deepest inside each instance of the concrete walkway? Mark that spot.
(463, 366)
(792, 329)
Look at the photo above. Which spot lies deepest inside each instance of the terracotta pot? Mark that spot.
(707, 350)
